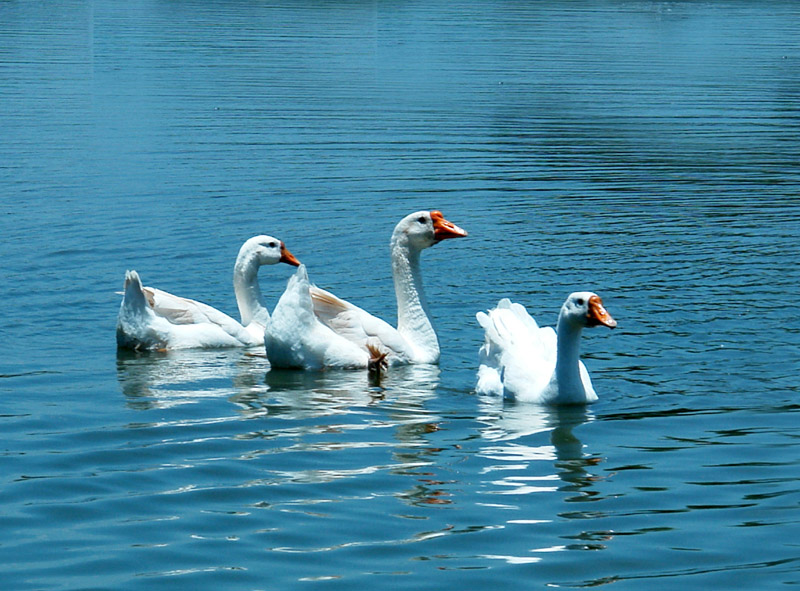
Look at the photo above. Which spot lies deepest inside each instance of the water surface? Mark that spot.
(644, 150)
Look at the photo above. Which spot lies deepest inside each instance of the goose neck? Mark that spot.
(413, 321)
(567, 369)
(248, 293)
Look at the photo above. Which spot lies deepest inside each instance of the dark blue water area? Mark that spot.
(646, 151)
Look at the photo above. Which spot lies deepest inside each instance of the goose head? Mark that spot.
(584, 308)
(268, 251)
(423, 229)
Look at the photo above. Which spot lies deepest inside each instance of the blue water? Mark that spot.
(647, 151)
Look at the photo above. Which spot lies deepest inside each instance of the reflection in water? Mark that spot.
(305, 443)
(295, 394)
(508, 421)
(398, 403)
(293, 411)
(408, 389)
(559, 466)
(165, 379)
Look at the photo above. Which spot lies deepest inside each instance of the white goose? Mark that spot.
(311, 328)
(525, 362)
(150, 318)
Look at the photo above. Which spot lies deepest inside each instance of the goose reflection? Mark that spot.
(307, 412)
(398, 405)
(324, 415)
(515, 435)
(535, 450)
(292, 394)
(152, 379)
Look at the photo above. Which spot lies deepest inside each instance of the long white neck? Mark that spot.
(248, 294)
(413, 322)
(568, 373)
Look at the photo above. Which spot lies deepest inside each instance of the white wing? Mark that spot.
(516, 354)
(296, 338)
(357, 325)
(154, 319)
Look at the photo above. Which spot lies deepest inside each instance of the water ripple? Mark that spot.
(645, 150)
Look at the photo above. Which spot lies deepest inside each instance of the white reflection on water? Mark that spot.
(291, 394)
(507, 420)
(534, 451)
(164, 380)
(559, 464)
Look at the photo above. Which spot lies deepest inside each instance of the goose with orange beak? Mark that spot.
(153, 319)
(522, 361)
(311, 328)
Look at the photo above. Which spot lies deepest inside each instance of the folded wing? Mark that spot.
(517, 355)
(357, 325)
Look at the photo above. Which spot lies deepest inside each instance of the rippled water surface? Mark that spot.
(647, 151)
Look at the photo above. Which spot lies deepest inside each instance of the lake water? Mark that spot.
(648, 151)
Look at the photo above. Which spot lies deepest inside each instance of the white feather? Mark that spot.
(151, 318)
(520, 360)
(313, 328)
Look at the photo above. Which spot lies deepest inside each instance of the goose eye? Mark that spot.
(421, 219)
(580, 301)
(272, 244)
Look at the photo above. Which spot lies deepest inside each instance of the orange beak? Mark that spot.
(442, 229)
(288, 257)
(598, 315)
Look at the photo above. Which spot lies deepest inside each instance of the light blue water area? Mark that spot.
(647, 151)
